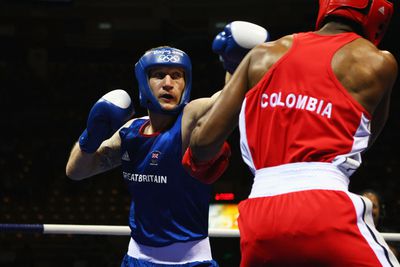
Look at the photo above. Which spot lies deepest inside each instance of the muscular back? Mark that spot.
(366, 72)
(369, 75)
(266, 55)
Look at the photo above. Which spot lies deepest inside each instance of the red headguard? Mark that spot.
(372, 15)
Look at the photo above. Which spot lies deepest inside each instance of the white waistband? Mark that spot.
(184, 252)
(297, 177)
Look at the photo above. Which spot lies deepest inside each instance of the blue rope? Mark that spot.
(27, 228)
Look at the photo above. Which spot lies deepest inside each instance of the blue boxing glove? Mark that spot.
(236, 39)
(107, 115)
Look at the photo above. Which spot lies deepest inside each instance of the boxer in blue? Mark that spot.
(169, 208)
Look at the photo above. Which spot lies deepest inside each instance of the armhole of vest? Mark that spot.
(340, 87)
(288, 52)
(123, 131)
(275, 65)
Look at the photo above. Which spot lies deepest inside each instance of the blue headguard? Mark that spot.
(162, 57)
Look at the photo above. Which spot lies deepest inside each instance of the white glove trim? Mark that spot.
(118, 97)
(247, 34)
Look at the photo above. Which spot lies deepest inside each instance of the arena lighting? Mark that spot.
(104, 25)
(55, 1)
(224, 196)
(220, 25)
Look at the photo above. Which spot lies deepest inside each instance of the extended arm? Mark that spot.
(214, 128)
(207, 156)
(207, 171)
(231, 44)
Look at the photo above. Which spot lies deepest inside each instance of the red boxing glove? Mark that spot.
(207, 171)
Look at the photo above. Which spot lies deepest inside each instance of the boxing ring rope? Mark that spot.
(77, 229)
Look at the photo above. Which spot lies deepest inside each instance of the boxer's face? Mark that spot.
(167, 84)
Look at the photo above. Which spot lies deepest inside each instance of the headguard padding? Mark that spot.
(162, 57)
(372, 15)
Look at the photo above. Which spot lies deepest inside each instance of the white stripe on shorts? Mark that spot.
(365, 223)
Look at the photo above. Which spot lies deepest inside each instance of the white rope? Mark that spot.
(391, 236)
(78, 229)
(125, 231)
(86, 229)
(116, 230)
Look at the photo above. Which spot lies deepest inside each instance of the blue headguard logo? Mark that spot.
(163, 57)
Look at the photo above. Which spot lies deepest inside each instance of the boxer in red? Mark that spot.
(307, 105)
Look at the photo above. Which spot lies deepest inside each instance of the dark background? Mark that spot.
(58, 57)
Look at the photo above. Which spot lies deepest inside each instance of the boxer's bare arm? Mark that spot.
(192, 113)
(387, 77)
(100, 137)
(215, 127)
(83, 165)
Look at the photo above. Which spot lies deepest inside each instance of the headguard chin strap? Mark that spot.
(372, 15)
(162, 57)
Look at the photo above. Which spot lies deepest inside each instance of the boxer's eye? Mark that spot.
(158, 74)
(176, 75)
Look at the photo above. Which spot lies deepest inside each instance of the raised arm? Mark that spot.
(215, 127)
(207, 156)
(82, 165)
(231, 44)
(98, 147)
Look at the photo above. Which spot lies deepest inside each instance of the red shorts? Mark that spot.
(310, 227)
